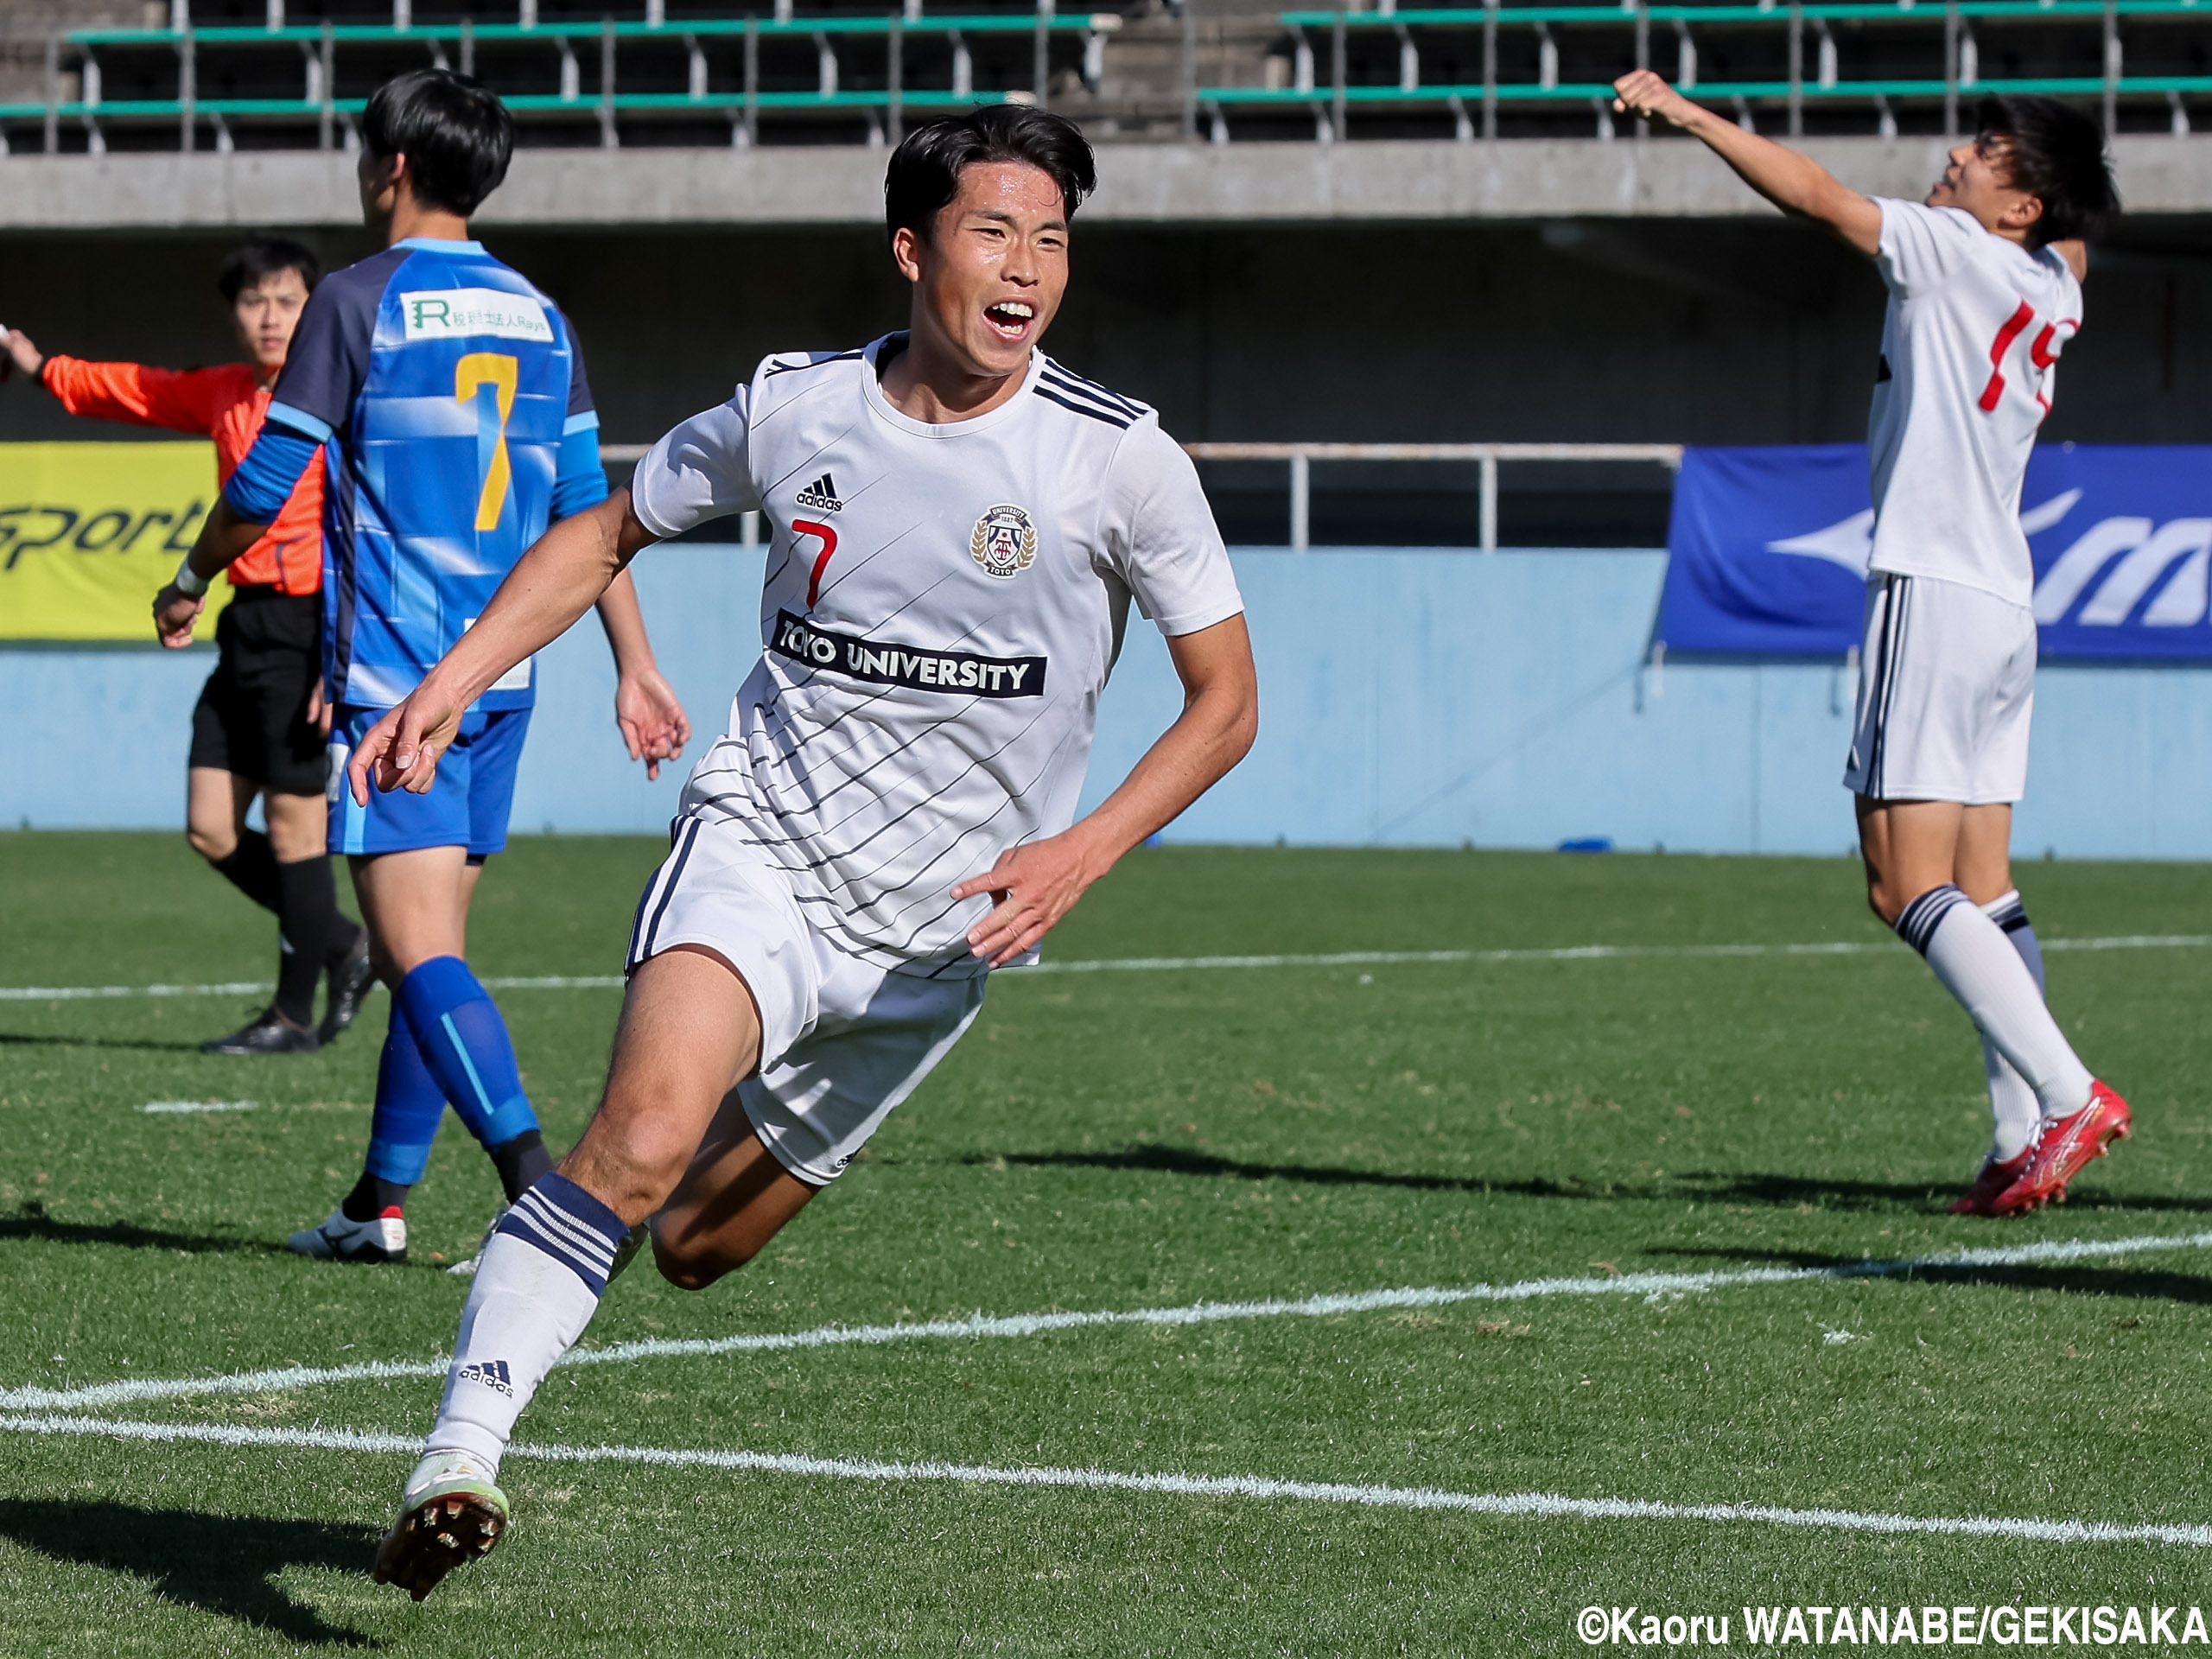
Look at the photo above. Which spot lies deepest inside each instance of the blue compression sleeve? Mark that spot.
(464, 1042)
(410, 1108)
(270, 471)
(579, 481)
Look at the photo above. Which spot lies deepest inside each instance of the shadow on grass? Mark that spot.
(224, 1565)
(32, 1222)
(1699, 1187)
(25, 1039)
(2077, 1281)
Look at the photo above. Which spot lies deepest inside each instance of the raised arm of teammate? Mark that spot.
(1793, 182)
(565, 573)
(1037, 884)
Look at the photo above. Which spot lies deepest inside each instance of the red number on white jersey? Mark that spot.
(828, 539)
(2015, 326)
(2042, 353)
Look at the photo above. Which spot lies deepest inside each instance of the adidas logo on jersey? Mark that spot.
(491, 1373)
(822, 495)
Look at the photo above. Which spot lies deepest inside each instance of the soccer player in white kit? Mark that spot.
(960, 524)
(1985, 283)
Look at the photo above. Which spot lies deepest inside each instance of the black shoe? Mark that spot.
(269, 1033)
(350, 977)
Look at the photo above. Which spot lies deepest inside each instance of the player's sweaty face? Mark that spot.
(990, 277)
(1980, 181)
(265, 313)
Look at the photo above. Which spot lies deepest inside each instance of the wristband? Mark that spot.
(188, 582)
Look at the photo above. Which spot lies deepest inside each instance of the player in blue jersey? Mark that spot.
(447, 399)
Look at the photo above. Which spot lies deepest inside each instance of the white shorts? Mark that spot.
(1947, 686)
(842, 1040)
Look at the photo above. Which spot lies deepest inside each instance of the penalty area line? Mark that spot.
(1651, 1287)
(1549, 1506)
(1179, 965)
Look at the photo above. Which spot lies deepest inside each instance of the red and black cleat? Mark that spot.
(2068, 1145)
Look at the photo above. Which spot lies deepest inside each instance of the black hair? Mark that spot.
(455, 133)
(925, 172)
(264, 255)
(2057, 155)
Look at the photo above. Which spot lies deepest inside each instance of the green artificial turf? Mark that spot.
(1145, 1138)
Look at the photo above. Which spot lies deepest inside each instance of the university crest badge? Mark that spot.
(1005, 542)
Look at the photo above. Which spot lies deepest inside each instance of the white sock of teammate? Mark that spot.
(2011, 1103)
(536, 1285)
(1978, 966)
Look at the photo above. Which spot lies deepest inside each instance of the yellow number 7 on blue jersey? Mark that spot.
(473, 373)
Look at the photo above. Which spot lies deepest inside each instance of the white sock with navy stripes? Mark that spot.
(536, 1285)
(1978, 966)
(2013, 1104)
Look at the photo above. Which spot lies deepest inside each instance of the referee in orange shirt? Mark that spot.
(260, 727)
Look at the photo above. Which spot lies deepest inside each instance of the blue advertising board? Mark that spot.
(1768, 550)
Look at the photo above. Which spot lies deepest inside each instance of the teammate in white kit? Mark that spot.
(1985, 284)
(960, 524)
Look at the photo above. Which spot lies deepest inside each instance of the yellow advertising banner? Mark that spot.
(89, 532)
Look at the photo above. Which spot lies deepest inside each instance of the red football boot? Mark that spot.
(1980, 1199)
(2067, 1146)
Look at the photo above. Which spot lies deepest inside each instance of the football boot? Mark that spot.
(338, 1239)
(450, 1514)
(1997, 1174)
(268, 1032)
(351, 978)
(2067, 1144)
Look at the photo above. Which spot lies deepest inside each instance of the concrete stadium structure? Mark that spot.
(1310, 226)
(1301, 231)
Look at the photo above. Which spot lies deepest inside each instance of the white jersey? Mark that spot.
(1975, 327)
(940, 609)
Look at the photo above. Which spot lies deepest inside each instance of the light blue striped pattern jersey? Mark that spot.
(450, 397)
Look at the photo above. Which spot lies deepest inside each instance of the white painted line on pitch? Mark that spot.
(1166, 964)
(197, 1106)
(84, 993)
(1650, 1285)
(1549, 1506)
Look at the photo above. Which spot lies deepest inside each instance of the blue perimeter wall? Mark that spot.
(1422, 698)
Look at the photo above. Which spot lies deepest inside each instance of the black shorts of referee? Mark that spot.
(251, 719)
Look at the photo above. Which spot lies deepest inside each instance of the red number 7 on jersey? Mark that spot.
(828, 539)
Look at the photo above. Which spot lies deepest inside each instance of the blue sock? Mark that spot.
(410, 1107)
(464, 1043)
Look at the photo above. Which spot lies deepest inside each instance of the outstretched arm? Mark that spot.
(1794, 182)
(1037, 884)
(16, 352)
(563, 574)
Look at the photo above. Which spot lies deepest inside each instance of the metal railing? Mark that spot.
(1300, 458)
(1801, 41)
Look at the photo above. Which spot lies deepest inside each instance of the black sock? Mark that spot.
(520, 1162)
(371, 1196)
(345, 934)
(309, 916)
(252, 868)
